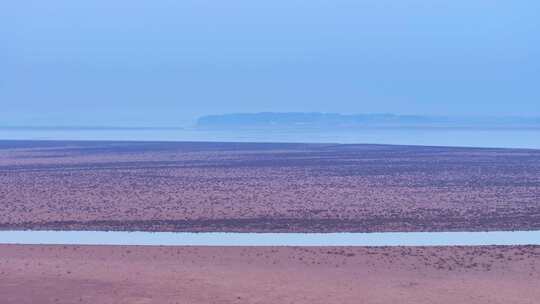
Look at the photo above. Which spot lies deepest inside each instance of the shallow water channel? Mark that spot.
(271, 239)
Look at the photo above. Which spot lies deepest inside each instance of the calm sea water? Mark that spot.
(504, 138)
(272, 239)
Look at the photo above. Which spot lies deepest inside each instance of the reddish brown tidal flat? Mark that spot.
(266, 187)
(193, 275)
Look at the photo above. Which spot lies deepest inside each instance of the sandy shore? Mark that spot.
(115, 274)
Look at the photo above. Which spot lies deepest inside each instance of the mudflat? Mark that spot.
(256, 187)
(193, 275)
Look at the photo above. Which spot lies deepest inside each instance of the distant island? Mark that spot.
(335, 120)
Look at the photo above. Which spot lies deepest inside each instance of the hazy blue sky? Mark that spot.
(148, 62)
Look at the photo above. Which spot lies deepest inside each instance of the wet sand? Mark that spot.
(252, 187)
(116, 274)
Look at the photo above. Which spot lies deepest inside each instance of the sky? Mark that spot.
(164, 63)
